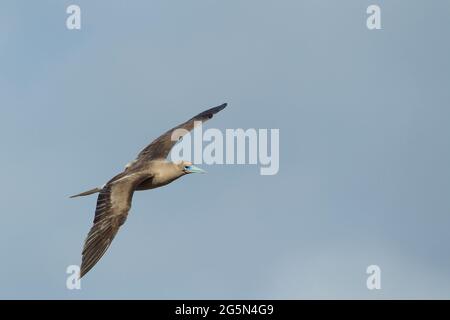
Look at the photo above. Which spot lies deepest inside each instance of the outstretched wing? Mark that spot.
(113, 204)
(160, 148)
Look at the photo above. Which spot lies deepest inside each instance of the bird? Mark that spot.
(151, 169)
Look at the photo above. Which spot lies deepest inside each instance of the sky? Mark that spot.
(364, 147)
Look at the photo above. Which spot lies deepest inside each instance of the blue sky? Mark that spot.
(364, 151)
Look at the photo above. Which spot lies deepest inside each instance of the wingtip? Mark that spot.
(210, 112)
(84, 270)
(220, 108)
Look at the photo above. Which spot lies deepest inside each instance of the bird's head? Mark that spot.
(187, 167)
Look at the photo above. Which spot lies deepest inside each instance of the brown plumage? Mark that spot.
(150, 170)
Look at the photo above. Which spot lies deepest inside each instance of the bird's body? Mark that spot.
(150, 170)
(159, 174)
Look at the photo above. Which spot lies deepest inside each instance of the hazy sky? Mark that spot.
(364, 147)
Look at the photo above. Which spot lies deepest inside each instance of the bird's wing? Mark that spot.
(113, 204)
(160, 147)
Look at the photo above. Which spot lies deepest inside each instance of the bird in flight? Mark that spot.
(150, 170)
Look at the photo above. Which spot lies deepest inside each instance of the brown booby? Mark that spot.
(150, 170)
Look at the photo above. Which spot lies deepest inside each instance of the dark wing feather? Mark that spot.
(113, 204)
(160, 147)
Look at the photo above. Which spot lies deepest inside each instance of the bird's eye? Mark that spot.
(187, 167)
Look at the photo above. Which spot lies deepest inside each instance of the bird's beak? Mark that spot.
(194, 169)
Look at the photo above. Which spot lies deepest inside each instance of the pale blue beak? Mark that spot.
(194, 169)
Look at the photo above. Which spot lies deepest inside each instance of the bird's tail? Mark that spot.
(86, 193)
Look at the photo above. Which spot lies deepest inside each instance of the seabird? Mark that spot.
(150, 170)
